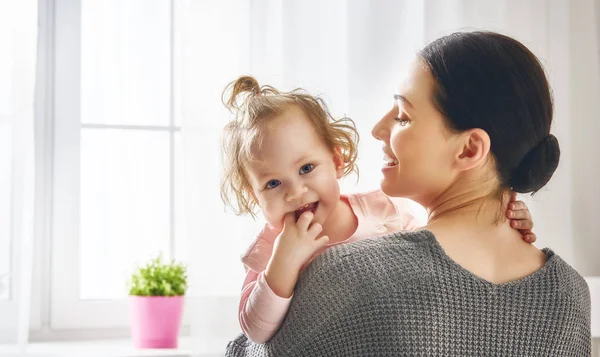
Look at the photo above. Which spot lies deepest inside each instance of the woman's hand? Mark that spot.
(293, 248)
(520, 218)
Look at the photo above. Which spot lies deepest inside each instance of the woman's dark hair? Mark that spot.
(493, 82)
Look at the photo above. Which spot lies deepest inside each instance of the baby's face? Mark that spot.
(294, 171)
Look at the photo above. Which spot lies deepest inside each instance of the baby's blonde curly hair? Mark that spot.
(253, 107)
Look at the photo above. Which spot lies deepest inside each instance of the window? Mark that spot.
(116, 165)
(118, 95)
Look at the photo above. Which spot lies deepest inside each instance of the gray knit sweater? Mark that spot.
(401, 295)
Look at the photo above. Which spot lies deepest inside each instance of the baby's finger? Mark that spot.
(530, 237)
(519, 214)
(517, 205)
(314, 230)
(513, 196)
(304, 221)
(322, 241)
(521, 224)
(289, 220)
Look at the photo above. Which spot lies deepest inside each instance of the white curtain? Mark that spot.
(18, 41)
(354, 52)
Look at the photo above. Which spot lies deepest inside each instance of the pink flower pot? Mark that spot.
(155, 320)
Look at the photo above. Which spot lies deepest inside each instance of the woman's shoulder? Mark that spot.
(397, 243)
(410, 253)
(570, 283)
(258, 253)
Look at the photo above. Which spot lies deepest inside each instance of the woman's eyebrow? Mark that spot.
(403, 100)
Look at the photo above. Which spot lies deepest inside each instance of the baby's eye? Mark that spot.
(402, 121)
(273, 184)
(306, 168)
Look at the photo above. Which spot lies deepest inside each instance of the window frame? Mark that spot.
(66, 312)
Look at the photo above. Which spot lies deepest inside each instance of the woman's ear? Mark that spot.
(474, 147)
(338, 161)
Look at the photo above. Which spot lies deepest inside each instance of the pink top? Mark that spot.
(261, 311)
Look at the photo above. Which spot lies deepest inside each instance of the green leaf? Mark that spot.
(159, 279)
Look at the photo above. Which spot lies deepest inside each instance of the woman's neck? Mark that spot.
(482, 203)
(471, 227)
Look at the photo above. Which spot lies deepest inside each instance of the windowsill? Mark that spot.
(113, 348)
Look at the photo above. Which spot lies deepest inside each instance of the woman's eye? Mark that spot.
(402, 121)
(273, 183)
(306, 168)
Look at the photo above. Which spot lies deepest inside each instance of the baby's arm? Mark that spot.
(261, 311)
(263, 305)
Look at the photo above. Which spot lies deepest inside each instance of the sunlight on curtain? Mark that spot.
(18, 33)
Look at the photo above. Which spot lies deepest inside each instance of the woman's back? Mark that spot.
(402, 295)
(491, 250)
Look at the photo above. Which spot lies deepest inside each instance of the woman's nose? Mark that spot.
(378, 130)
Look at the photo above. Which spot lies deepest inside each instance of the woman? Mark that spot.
(471, 121)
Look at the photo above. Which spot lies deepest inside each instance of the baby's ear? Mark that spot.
(338, 160)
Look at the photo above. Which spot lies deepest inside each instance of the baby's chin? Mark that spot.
(275, 227)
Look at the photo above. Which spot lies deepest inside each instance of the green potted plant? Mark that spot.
(157, 293)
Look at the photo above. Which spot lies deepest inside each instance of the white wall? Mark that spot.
(585, 135)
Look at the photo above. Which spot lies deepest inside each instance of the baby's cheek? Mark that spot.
(273, 215)
(333, 186)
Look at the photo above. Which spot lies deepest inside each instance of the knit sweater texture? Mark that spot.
(401, 295)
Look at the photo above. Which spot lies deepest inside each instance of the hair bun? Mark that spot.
(238, 90)
(537, 167)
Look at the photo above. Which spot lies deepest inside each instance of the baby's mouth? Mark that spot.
(309, 207)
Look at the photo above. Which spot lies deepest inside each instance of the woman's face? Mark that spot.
(419, 149)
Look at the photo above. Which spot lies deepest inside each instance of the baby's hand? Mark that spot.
(520, 218)
(293, 248)
(298, 241)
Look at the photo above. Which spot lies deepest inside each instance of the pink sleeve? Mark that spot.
(413, 216)
(261, 311)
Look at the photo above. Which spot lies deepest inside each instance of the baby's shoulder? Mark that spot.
(375, 205)
(259, 252)
(370, 202)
